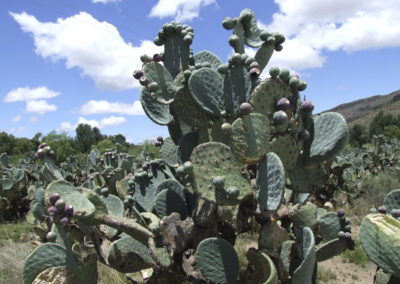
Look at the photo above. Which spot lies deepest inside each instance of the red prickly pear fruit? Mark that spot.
(53, 198)
(307, 106)
(245, 108)
(137, 74)
(283, 104)
(158, 144)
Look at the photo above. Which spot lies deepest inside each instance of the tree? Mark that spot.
(379, 122)
(358, 136)
(62, 144)
(86, 136)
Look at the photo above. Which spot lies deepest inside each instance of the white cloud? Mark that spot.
(95, 48)
(313, 27)
(106, 1)
(182, 10)
(17, 130)
(16, 118)
(107, 121)
(103, 106)
(34, 119)
(27, 94)
(39, 107)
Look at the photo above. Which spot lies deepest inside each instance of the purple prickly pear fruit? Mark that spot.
(143, 81)
(245, 109)
(51, 210)
(53, 198)
(51, 237)
(60, 205)
(280, 118)
(395, 213)
(52, 154)
(340, 212)
(137, 74)
(156, 57)
(40, 153)
(307, 106)
(347, 235)
(64, 220)
(69, 210)
(254, 72)
(382, 209)
(254, 64)
(42, 145)
(158, 144)
(283, 104)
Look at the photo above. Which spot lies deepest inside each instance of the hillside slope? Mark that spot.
(364, 110)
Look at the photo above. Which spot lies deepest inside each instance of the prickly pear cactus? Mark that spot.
(241, 149)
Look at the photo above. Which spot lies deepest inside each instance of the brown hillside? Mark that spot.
(364, 110)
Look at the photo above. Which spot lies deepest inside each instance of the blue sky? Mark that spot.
(65, 62)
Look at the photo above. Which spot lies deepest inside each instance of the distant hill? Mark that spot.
(364, 110)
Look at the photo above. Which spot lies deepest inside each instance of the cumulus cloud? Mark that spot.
(34, 119)
(313, 27)
(17, 130)
(182, 10)
(16, 118)
(95, 48)
(107, 121)
(28, 94)
(39, 107)
(103, 107)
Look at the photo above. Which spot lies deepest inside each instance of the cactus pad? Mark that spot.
(129, 255)
(217, 260)
(380, 239)
(285, 146)
(214, 161)
(330, 249)
(186, 145)
(83, 208)
(264, 269)
(270, 182)
(156, 72)
(206, 56)
(157, 112)
(206, 87)
(250, 136)
(392, 200)
(304, 273)
(169, 152)
(169, 201)
(251, 31)
(329, 226)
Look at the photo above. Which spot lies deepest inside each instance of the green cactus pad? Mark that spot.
(188, 110)
(160, 255)
(250, 136)
(45, 256)
(286, 253)
(206, 87)
(159, 113)
(186, 145)
(267, 94)
(156, 72)
(217, 260)
(177, 50)
(151, 221)
(129, 255)
(306, 176)
(122, 187)
(272, 236)
(392, 200)
(206, 56)
(264, 54)
(305, 216)
(83, 208)
(115, 207)
(270, 182)
(380, 239)
(285, 146)
(169, 152)
(169, 201)
(250, 28)
(238, 87)
(264, 268)
(174, 129)
(330, 249)
(329, 226)
(96, 200)
(212, 160)
(304, 273)
(330, 136)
